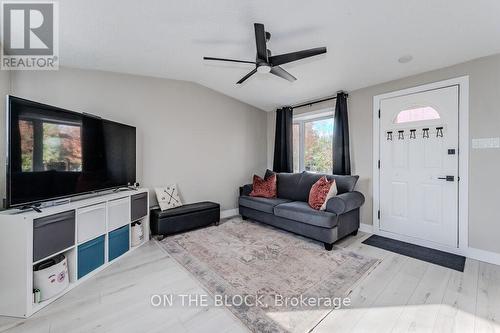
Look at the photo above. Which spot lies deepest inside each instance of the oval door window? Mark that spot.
(416, 114)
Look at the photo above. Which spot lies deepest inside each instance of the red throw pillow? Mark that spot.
(319, 191)
(264, 187)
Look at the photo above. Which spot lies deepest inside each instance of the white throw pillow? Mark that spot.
(168, 197)
(333, 192)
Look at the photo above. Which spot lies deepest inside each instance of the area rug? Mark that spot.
(273, 281)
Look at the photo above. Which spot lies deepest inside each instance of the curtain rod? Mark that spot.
(318, 101)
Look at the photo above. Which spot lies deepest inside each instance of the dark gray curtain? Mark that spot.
(283, 150)
(341, 156)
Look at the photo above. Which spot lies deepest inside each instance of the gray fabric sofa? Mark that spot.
(290, 210)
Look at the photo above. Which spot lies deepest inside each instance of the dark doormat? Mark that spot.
(437, 257)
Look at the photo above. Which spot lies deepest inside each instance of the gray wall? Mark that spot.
(4, 90)
(204, 141)
(484, 122)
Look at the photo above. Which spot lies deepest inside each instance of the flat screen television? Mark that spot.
(54, 153)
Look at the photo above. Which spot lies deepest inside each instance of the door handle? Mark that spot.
(448, 178)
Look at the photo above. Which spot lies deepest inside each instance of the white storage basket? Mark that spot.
(51, 277)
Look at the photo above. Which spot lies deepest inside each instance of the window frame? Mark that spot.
(301, 120)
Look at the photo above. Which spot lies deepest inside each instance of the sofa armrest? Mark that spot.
(246, 189)
(345, 202)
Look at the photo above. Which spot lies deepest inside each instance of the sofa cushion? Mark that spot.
(302, 212)
(331, 193)
(296, 186)
(265, 188)
(269, 173)
(318, 193)
(265, 205)
(288, 187)
(344, 183)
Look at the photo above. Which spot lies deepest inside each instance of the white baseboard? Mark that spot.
(368, 228)
(224, 214)
(483, 255)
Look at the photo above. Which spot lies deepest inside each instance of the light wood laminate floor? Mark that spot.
(400, 295)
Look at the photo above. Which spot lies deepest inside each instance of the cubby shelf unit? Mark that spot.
(95, 216)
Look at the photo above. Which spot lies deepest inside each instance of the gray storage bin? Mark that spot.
(138, 206)
(52, 234)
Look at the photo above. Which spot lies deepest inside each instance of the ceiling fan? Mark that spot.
(265, 62)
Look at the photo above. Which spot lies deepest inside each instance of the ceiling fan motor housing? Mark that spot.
(263, 68)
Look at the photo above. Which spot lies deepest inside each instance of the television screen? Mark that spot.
(55, 153)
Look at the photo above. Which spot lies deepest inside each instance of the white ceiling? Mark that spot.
(167, 38)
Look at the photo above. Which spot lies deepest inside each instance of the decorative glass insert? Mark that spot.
(417, 114)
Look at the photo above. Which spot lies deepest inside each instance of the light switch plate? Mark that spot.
(486, 143)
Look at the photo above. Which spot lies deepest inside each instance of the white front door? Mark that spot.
(419, 165)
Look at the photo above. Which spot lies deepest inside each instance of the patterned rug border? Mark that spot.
(255, 319)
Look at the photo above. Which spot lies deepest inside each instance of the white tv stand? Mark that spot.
(94, 217)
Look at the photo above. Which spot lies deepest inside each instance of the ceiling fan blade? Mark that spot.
(278, 71)
(260, 41)
(243, 79)
(231, 60)
(281, 59)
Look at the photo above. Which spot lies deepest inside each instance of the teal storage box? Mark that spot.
(118, 242)
(90, 256)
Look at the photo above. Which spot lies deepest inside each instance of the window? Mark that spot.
(312, 144)
(417, 114)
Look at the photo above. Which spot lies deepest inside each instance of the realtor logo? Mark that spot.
(29, 36)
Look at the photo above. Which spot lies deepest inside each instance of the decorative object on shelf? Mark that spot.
(137, 234)
(401, 135)
(413, 134)
(389, 136)
(425, 133)
(36, 296)
(50, 276)
(168, 197)
(439, 132)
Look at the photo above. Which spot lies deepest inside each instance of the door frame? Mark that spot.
(463, 163)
